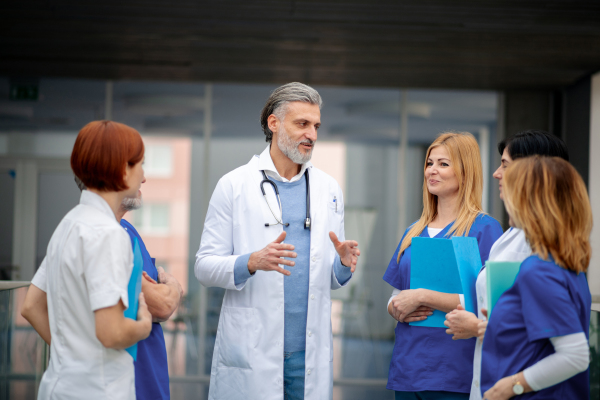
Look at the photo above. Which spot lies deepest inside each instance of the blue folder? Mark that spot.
(133, 290)
(448, 266)
(500, 276)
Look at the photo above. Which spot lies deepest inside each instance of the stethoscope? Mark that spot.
(279, 220)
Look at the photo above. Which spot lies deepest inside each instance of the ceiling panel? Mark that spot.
(419, 44)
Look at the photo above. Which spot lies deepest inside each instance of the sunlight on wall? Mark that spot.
(330, 157)
(163, 221)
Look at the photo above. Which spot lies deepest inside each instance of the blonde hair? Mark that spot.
(546, 197)
(466, 163)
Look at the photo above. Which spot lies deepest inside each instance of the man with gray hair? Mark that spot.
(274, 338)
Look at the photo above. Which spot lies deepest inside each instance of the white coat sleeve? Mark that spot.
(214, 260)
(39, 279)
(339, 231)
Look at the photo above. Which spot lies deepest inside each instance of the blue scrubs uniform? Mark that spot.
(545, 301)
(151, 367)
(425, 358)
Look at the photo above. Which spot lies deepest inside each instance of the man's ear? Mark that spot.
(273, 123)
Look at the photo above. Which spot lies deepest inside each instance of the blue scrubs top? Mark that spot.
(545, 301)
(151, 367)
(426, 358)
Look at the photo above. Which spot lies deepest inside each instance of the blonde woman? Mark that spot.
(537, 340)
(426, 363)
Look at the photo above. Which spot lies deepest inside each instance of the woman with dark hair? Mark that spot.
(88, 267)
(531, 142)
(537, 340)
(511, 246)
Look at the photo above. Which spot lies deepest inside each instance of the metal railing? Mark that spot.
(24, 355)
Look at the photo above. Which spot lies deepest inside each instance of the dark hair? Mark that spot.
(534, 142)
(281, 97)
(101, 152)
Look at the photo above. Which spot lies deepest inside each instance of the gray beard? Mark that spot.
(130, 204)
(290, 148)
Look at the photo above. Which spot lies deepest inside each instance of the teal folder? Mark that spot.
(133, 290)
(500, 276)
(447, 266)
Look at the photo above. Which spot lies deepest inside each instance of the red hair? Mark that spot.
(101, 153)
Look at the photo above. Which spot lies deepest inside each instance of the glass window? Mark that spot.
(158, 161)
(151, 219)
(158, 218)
(358, 145)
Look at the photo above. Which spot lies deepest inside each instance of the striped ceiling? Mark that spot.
(494, 44)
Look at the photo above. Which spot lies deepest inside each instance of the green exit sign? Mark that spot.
(23, 91)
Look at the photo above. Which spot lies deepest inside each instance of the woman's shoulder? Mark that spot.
(485, 219)
(534, 267)
(486, 223)
(93, 224)
(518, 241)
(406, 231)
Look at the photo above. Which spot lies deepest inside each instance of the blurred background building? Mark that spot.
(192, 78)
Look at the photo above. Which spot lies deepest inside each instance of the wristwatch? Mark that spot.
(517, 387)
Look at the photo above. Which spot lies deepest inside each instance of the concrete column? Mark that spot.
(25, 220)
(576, 125)
(206, 193)
(594, 186)
(523, 109)
(402, 165)
(108, 101)
(496, 206)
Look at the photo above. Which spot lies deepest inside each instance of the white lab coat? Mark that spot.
(87, 268)
(248, 354)
(511, 246)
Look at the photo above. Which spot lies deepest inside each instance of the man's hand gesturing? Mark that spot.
(269, 258)
(348, 251)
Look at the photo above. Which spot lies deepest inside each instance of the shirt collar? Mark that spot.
(441, 234)
(93, 200)
(265, 163)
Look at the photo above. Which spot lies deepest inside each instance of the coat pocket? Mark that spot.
(238, 334)
(335, 203)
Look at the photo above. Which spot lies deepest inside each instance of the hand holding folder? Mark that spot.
(447, 266)
(500, 276)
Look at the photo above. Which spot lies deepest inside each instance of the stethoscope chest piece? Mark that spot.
(307, 221)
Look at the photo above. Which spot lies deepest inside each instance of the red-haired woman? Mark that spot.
(88, 266)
